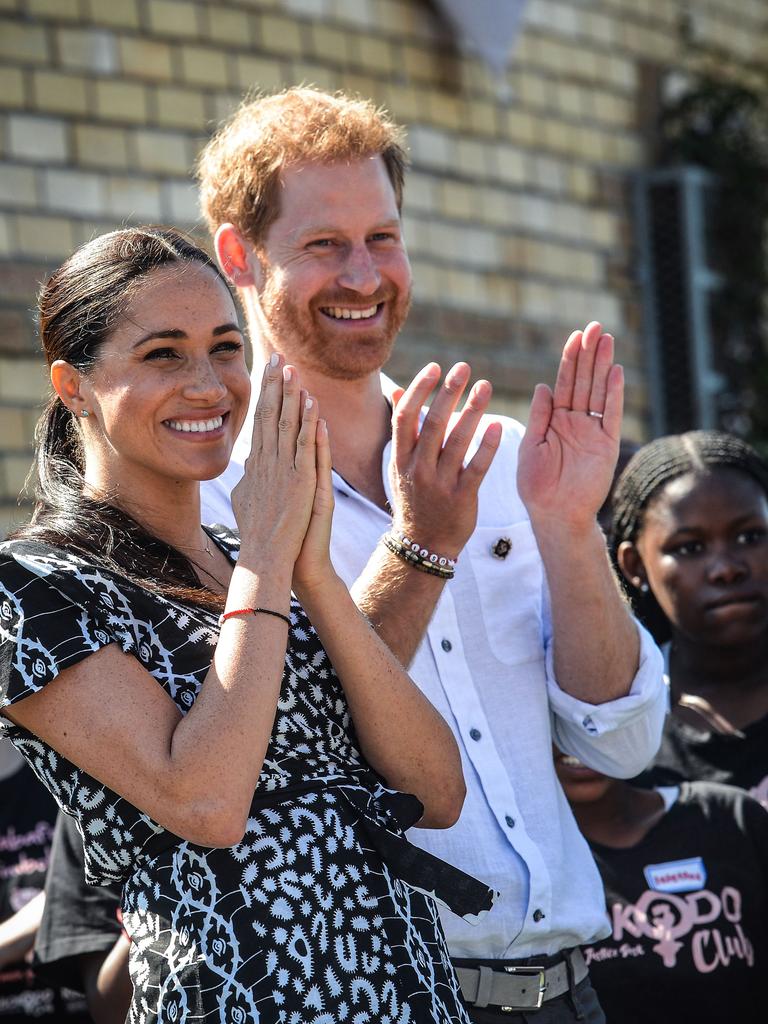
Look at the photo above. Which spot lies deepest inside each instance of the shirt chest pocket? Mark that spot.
(508, 575)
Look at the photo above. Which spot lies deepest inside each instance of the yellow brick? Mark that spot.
(259, 73)
(180, 107)
(17, 186)
(308, 73)
(520, 127)
(66, 94)
(101, 147)
(61, 10)
(403, 103)
(374, 54)
(30, 420)
(473, 158)
(224, 105)
(174, 17)
(165, 152)
(420, 64)
(25, 43)
(121, 101)
(357, 12)
(134, 198)
(89, 49)
(119, 13)
(280, 35)
(6, 235)
(229, 26)
(325, 42)
(511, 164)
(444, 110)
(145, 58)
(502, 294)
(568, 99)
(581, 182)
(13, 428)
(403, 18)
(531, 88)
(11, 87)
(46, 237)
(481, 114)
(603, 228)
(361, 85)
(458, 200)
(204, 66)
(15, 472)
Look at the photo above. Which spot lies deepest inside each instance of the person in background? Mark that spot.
(690, 532)
(80, 938)
(527, 634)
(685, 870)
(27, 815)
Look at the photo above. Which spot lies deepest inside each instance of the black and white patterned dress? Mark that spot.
(323, 912)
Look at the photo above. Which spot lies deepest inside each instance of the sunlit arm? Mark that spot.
(402, 736)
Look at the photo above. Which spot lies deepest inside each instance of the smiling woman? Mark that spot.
(690, 532)
(226, 751)
(114, 319)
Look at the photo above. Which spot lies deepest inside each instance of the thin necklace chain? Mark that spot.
(202, 569)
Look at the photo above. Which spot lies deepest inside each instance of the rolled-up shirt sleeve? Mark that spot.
(619, 737)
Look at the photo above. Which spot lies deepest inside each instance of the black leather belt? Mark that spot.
(515, 987)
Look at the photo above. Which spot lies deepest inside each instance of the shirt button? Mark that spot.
(475, 734)
(510, 821)
(538, 915)
(446, 644)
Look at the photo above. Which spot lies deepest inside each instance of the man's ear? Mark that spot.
(631, 564)
(66, 382)
(235, 256)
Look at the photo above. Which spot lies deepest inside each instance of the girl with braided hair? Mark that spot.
(685, 864)
(690, 533)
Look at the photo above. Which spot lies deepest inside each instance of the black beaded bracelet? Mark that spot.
(414, 559)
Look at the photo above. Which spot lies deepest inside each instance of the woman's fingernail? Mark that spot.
(287, 373)
(309, 403)
(274, 359)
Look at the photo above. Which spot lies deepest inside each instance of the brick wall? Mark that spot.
(517, 208)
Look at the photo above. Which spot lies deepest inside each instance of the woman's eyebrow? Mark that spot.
(179, 335)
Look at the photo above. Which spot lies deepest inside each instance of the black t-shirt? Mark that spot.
(695, 754)
(79, 918)
(27, 814)
(688, 908)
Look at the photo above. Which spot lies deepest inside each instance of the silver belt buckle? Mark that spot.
(528, 972)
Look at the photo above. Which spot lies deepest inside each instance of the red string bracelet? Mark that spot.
(253, 611)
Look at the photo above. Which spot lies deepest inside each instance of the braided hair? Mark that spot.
(655, 465)
(668, 457)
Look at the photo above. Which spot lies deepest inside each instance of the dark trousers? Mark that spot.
(579, 1007)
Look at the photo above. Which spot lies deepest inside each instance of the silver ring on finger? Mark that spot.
(595, 413)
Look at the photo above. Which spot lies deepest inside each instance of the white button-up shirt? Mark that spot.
(486, 665)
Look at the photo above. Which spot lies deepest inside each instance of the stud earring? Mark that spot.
(84, 413)
(641, 585)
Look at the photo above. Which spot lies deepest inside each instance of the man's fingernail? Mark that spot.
(274, 359)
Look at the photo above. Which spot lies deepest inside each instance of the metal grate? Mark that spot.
(679, 283)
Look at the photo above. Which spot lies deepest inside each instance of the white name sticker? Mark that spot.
(676, 875)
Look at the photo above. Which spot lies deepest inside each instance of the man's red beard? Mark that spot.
(309, 337)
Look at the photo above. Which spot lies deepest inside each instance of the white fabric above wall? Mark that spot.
(486, 28)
